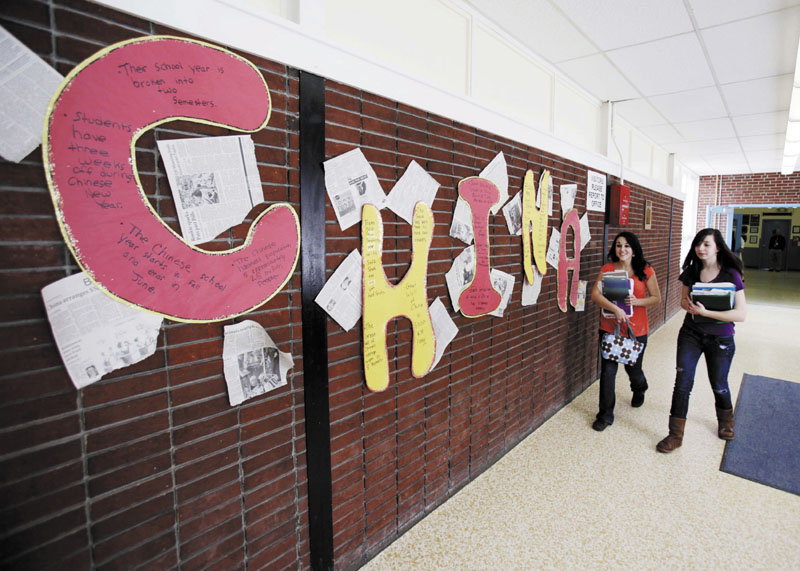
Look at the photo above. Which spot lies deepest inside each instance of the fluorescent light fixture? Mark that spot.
(791, 149)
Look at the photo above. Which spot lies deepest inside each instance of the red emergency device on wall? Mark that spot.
(620, 205)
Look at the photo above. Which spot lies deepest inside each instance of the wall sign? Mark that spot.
(102, 108)
(596, 191)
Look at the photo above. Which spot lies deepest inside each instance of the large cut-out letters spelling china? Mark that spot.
(479, 297)
(571, 220)
(383, 301)
(101, 109)
(534, 223)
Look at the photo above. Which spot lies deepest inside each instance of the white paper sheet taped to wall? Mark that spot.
(341, 295)
(95, 333)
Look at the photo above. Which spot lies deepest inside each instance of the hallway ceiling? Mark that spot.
(709, 80)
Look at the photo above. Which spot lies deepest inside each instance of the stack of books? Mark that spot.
(616, 287)
(713, 296)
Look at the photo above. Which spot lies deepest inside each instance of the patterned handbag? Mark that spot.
(620, 348)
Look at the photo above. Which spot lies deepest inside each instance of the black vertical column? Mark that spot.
(315, 337)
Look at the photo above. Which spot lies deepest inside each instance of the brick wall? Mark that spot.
(400, 453)
(152, 467)
(760, 188)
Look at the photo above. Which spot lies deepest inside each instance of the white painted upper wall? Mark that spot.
(438, 55)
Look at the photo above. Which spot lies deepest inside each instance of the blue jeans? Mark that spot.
(719, 350)
(608, 377)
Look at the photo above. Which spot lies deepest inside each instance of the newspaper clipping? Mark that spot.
(444, 328)
(351, 182)
(497, 172)
(341, 295)
(553, 249)
(513, 214)
(530, 292)
(567, 192)
(95, 333)
(416, 185)
(460, 275)
(251, 361)
(461, 225)
(214, 181)
(27, 83)
(504, 284)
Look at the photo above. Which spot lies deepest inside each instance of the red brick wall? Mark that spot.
(761, 188)
(151, 466)
(398, 454)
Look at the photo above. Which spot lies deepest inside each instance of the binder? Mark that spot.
(713, 296)
(616, 287)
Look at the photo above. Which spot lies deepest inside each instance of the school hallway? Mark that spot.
(568, 497)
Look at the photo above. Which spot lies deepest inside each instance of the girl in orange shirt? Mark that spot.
(625, 254)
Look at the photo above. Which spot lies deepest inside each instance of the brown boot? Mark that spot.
(675, 437)
(725, 420)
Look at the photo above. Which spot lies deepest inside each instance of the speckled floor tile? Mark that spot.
(568, 497)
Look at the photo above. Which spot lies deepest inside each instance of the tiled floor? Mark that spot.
(568, 497)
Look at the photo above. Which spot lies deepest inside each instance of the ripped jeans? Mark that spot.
(719, 350)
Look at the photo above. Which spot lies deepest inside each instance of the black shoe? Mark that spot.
(638, 399)
(599, 425)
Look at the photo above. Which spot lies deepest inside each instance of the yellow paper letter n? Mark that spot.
(383, 301)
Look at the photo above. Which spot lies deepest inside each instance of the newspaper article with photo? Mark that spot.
(416, 185)
(214, 182)
(340, 297)
(504, 284)
(350, 183)
(513, 214)
(27, 83)
(252, 363)
(461, 224)
(460, 274)
(95, 333)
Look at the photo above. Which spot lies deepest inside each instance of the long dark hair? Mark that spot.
(637, 262)
(726, 259)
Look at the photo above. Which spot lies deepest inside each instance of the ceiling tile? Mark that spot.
(776, 141)
(697, 164)
(639, 113)
(764, 156)
(759, 95)
(661, 134)
(708, 129)
(537, 25)
(704, 148)
(665, 66)
(754, 48)
(694, 105)
(761, 123)
(713, 12)
(626, 22)
(597, 76)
